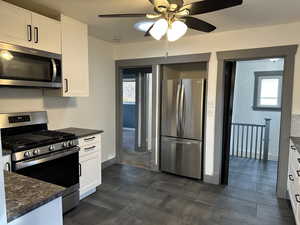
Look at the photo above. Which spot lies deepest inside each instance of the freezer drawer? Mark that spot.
(182, 157)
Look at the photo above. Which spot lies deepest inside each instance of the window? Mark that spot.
(267, 90)
(129, 91)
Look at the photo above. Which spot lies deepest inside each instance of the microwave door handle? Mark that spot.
(54, 70)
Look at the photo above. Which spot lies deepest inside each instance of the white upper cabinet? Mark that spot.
(25, 28)
(46, 34)
(75, 70)
(15, 24)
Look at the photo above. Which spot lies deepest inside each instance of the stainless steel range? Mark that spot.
(43, 154)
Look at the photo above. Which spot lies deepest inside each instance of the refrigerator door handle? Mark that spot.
(181, 141)
(182, 108)
(178, 108)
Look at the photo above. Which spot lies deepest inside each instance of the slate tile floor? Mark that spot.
(135, 196)
(130, 156)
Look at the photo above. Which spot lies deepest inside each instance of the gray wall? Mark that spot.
(129, 115)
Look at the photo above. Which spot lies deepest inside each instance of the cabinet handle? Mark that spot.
(298, 173)
(7, 165)
(80, 173)
(293, 147)
(29, 32)
(297, 196)
(67, 85)
(36, 34)
(291, 177)
(90, 148)
(89, 139)
(54, 69)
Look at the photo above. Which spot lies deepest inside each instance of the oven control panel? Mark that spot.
(19, 119)
(31, 153)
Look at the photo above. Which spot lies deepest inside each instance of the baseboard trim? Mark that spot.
(86, 194)
(108, 163)
(211, 179)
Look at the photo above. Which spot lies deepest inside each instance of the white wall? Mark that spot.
(96, 111)
(243, 99)
(286, 34)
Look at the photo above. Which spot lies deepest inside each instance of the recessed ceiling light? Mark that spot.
(143, 25)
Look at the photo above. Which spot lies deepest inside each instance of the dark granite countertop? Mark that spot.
(296, 141)
(24, 194)
(81, 132)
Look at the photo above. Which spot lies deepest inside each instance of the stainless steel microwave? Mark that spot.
(26, 67)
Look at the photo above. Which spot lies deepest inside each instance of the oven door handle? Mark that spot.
(32, 162)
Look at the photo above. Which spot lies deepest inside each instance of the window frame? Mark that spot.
(130, 80)
(258, 76)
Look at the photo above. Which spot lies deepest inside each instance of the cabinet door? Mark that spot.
(90, 172)
(15, 24)
(74, 58)
(46, 34)
(7, 163)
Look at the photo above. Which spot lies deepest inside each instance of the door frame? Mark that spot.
(155, 63)
(286, 52)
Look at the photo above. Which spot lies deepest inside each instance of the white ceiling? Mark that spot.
(251, 14)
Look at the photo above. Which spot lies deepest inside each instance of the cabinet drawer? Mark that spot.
(90, 140)
(89, 149)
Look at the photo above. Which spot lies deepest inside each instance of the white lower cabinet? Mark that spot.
(293, 184)
(48, 214)
(90, 165)
(7, 163)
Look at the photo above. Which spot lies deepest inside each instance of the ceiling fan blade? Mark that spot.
(207, 6)
(148, 31)
(198, 24)
(129, 15)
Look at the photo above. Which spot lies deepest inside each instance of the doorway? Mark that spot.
(137, 116)
(224, 109)
(254, 127)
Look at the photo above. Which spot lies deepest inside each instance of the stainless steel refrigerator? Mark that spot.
(182, 126)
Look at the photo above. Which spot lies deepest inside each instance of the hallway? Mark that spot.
(130, 156)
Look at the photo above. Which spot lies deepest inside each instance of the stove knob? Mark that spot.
(51, 148)
(27, 154)
(65, 144)
(36, 152)
(70, 143)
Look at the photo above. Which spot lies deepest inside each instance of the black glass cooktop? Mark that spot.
(35, 139)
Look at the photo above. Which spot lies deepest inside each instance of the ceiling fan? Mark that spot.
(173, 17)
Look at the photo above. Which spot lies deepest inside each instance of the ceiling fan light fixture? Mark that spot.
(153, 16)
(6, 55)
(176, 30)
(173, 7)
(159, 29)
(143, 25)
(184, 12)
